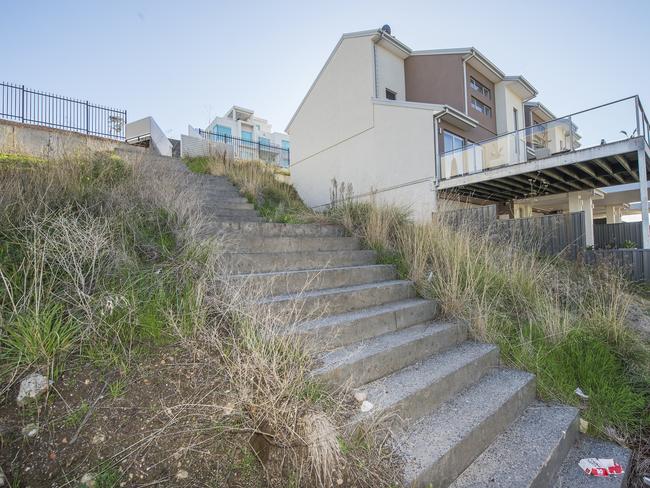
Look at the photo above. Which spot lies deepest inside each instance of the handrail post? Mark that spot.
(637, 109)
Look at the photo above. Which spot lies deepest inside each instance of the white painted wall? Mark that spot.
(390, 73)
(397, 149)
(338, 106)
(192, 147)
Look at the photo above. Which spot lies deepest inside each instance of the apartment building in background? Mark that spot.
(249, 136)
(415, 127)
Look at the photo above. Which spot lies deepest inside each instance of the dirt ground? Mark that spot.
(160, 425)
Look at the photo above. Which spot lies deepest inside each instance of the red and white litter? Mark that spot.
(600, 467)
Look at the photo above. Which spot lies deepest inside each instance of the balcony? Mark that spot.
(590, 149)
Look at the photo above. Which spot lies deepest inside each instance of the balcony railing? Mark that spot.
(244, 150)
(610, 122)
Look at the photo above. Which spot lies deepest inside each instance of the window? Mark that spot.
(477, 86)
(264, 141)
(481, 107)
(452, 142)
(285, 144)
(247, 135)
(390, 94)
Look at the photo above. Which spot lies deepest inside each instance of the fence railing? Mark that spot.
(243, 149)
(28, 106)
(610, 122)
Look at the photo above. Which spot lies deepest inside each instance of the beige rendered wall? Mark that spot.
(338, 105)
(46, 143)
(396, 150)
(390, 73)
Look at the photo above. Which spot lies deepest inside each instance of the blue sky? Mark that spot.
(186, 62)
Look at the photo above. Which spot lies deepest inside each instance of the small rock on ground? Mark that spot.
(32, 387)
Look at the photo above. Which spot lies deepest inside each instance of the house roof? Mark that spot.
(469, 53)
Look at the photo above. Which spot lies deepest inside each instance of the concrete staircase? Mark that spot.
(459, 418)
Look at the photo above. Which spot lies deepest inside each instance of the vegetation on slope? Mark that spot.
(164, 369)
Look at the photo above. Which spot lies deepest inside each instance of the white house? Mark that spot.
(414, 127)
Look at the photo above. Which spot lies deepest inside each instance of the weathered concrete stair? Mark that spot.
(459, 419)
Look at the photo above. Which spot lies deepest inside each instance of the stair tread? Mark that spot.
(335, 291)
(387, 391)
(360, 252)
(362, 313)
(433, 436)
(505, 463)
(571, 476)
(367, 348)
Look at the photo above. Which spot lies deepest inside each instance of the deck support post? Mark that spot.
(643, 193)
(588, 209)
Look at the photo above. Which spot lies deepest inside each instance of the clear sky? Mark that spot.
(186, 62)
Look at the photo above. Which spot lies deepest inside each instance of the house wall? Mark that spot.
(435, 79)
(390, 73)
(397, 149)
(488, 123)
(338, 105)
(512, 148)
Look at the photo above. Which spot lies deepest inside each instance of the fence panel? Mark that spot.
(243, 149)
(635, 263)
(550, 234)
(27, 106)
(615, 236)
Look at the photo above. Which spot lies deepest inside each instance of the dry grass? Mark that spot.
(561, 320)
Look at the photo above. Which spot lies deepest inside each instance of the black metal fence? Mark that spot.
(243, 149)
(27, 106)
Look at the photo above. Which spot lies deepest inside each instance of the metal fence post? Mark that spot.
(22, 104)
(87, 118)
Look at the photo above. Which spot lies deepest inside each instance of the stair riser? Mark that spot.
(297, 244)
(228, 205)
(391, 360)
(311, 307)
(457, 459)
(236, 213)
(345, 333)
(269, 229)
(549, 471)
(424, 401)
(262, 263)
(279, 284)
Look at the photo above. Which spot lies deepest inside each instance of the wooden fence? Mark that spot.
(616, 236)
(550, 234)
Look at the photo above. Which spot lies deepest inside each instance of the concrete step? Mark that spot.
(269, 229)
(247, 219)
(344, 329)
(366, 361)
(417, 389)
(276, 261)
(283, 282)
(293, 244)
(227, 204)
(340, 300)
(444, 443)
(223, 213)
(529, 453)
(570, 475)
